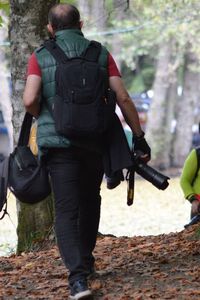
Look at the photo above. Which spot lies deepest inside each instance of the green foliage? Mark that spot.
(137, 85)
(141, 78)
(150, 23)
(4, 5)
(148, 77)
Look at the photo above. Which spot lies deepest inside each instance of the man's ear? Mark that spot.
(50, 29)
(81, 24)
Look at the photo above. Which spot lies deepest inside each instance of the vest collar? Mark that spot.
(68, 32)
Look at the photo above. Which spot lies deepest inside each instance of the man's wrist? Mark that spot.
(139, 136)
(194, 197)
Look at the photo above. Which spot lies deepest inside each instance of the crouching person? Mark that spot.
(190, 181)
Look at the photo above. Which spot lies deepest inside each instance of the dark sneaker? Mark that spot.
(79, 290)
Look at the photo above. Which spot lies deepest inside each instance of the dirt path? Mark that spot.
(154, 267)
(153, 212)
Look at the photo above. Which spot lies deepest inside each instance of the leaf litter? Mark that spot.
(139, 268)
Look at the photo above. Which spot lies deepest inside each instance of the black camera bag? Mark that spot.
(28, 177)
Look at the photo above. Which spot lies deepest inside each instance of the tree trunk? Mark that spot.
(185, 116)
(35, 225)
(171, 103)
(99, 14)
(119, 14)
(84, 8)
(158, 130)
(28, 20)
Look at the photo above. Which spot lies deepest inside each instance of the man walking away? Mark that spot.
(75, 163)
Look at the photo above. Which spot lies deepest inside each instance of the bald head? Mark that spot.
(64, 16)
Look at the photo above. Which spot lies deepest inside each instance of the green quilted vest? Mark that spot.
(73, 43)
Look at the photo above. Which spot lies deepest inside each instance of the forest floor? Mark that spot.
(152, 267)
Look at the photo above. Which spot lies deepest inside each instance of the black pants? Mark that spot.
(76, 176)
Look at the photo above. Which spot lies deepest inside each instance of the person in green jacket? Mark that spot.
(190, 182)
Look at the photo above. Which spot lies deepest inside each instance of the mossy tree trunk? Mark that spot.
(28, 21)
(35, 225)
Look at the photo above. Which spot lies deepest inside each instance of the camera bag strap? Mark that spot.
(25, 130)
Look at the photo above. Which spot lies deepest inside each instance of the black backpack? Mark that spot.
(84, 106)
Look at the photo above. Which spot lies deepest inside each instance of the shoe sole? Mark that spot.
(86, 295)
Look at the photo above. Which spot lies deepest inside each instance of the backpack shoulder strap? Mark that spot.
(56, 51)
(93, 51)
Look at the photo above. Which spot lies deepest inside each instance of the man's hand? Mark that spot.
(131, 116)
(195, 200)
(140, 144)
